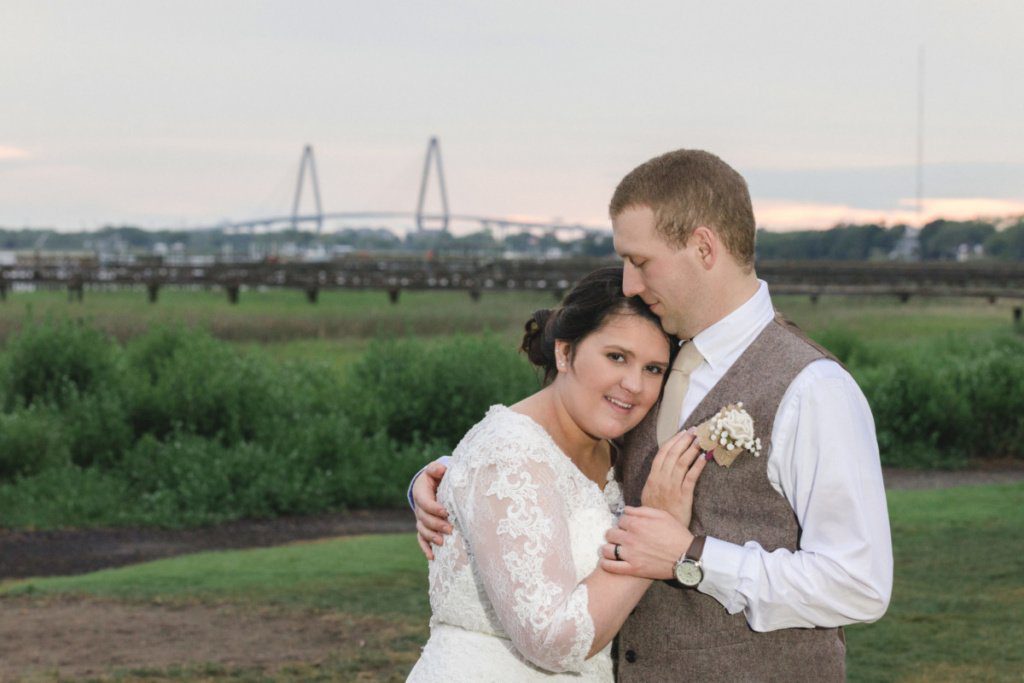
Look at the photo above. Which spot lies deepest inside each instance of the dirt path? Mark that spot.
(82, 638)
(1003, 473)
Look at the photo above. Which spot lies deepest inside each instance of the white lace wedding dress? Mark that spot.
(505, 588)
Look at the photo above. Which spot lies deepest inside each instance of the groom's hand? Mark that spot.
(650, 541)
(431, 517)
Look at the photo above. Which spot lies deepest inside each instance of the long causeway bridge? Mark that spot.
(395, 273)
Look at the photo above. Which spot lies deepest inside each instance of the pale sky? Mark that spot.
(187, 113)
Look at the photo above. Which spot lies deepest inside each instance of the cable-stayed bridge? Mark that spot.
(423, 220)
(498, 224)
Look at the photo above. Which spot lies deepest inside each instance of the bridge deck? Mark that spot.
(396, 273)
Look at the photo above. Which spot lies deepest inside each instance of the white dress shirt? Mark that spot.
(824, 461)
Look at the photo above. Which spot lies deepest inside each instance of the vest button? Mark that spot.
(630, 656)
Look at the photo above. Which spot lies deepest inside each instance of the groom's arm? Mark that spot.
(825, 461)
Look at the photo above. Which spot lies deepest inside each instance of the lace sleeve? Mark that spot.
(515, 524)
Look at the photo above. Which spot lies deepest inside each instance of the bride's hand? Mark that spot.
(673, 477)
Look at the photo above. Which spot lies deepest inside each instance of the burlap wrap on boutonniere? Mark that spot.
(728, 433)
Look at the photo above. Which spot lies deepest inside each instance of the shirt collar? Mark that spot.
(721, 343)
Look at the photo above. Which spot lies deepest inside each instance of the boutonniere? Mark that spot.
(728, 433)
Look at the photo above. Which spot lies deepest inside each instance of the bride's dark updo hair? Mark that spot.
(584, 309)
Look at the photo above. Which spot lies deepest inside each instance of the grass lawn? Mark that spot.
(957, 612)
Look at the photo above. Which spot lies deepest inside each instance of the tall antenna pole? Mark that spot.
(433, 152)
(307, 158)
(920, 131)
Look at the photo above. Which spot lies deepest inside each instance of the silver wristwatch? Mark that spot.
(688, 569)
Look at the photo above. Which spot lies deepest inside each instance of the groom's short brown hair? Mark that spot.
(688, 188)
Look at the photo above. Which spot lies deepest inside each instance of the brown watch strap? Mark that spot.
(696, 548)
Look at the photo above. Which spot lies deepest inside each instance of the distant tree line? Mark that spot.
(113, 239)
(938, 240)
(843, 242)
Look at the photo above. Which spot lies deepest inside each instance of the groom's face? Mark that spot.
(668, 278)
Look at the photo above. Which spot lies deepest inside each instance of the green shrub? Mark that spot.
(993, 389)
(51, 360)
(204, 387)
(97, 428)
(846, 346)
(188, 480)
(917, 413)
(412, 389)
(147, 353)
(180, 429)
(943, 403)
(31, 440)
(355, 469)
(301, 389)
(66, 496)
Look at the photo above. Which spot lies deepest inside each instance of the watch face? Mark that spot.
(689, 573)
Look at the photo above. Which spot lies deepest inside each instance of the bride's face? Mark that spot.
(614, 376)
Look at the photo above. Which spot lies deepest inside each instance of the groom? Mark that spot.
(785, 547)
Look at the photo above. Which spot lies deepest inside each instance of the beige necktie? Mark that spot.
(670, 411)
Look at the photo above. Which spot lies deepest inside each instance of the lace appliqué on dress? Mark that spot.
(613, 494)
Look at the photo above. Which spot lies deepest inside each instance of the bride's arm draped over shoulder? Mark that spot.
(515, 524)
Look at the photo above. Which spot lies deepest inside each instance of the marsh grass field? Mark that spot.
(355, 609)
(343, 323)
(280, 315)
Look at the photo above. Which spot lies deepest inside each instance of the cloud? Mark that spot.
(885, 188)
(784, 216)
(7, 153)
(960, 208)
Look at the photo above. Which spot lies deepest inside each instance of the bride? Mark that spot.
(516, 591)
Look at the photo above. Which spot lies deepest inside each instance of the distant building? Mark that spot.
(314, 254)
(969, 252)
(909, 246)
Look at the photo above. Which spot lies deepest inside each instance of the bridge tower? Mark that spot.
(307, 159)
(433, 152)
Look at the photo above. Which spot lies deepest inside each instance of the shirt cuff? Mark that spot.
(721, 562)
(408, 491)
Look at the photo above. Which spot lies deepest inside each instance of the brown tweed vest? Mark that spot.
(678, 634)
